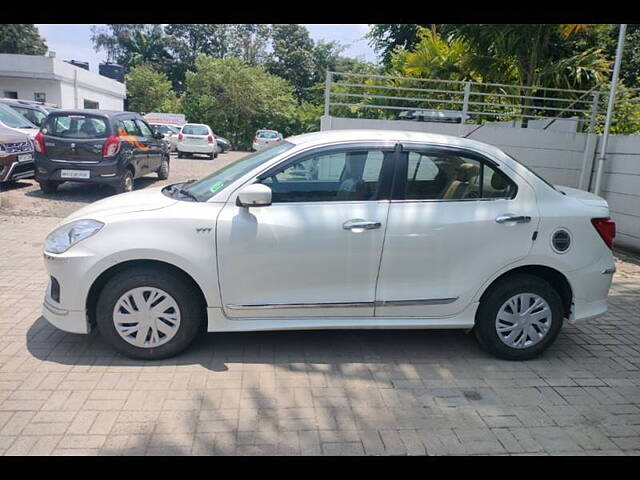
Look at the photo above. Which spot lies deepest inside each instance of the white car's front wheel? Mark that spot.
(519, 317)
(147, 313)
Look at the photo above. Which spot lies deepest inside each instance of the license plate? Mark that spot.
(74, 174)
(25, 158)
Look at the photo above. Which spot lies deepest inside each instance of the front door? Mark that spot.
(135, 142)
(316, 250)
(154, 154)
(454, 221)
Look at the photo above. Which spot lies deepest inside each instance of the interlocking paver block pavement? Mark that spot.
(301, 393)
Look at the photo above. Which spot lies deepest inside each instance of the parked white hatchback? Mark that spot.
(264, 138)
(197, 138)
(339, 229)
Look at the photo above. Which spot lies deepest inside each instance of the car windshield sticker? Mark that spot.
(216, 186)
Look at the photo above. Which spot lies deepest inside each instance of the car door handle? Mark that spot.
(510, 218)
(360, 224)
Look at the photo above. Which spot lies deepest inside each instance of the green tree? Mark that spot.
(187, 41)
(132, 44)
(237, 99)
(534, 54)
(293, 57)
(385, 38)
(21, 38)
(150, 91)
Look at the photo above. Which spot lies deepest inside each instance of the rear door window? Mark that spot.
(76, 126)
(452, 175)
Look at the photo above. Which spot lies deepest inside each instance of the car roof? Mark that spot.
(20, 103)
(90, 111)
(362, 135)
(196, 124)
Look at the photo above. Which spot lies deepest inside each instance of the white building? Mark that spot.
(45, 78)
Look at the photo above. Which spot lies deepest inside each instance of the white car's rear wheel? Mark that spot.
(149, 313)
(519, 317)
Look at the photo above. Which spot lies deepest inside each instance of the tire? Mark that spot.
(163, 171)
(540, 335)
(212, 156)
(181, 303)
(180, 154)
(126, 182)
(48, 186)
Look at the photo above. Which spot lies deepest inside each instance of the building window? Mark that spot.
(9, 94)
(40, 97)
(91, 104)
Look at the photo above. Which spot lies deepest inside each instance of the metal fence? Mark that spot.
(392, 97)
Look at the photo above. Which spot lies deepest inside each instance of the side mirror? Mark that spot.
(255, 195)
(158, 136)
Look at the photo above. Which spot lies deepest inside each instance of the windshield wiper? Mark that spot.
(187, 193)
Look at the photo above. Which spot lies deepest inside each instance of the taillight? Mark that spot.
(111, 146)
(210, 138)
(606, 228)
(180, 136)
(38, 142)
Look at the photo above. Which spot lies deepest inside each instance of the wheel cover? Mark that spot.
(128, 183)
(523, 320)
(146, 317)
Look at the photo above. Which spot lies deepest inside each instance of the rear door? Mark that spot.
(456, 218)
(75, 137)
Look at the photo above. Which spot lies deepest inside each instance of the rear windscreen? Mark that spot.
(195, 130)
(267, 135)
(76, 126)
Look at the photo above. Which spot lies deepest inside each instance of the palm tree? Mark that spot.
(145, 48)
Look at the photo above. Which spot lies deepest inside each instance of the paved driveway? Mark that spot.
(331, 392)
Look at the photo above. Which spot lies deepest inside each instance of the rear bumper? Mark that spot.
(590, 287)
(106, 171)
(205, 149)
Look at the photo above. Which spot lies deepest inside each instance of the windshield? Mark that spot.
(195, 130)
(207, 187)
(13, 119)
(534, 173)
(267, 135)
(34, 116)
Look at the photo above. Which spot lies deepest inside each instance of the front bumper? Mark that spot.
(16, 171)
(73, 271)
(72, 321)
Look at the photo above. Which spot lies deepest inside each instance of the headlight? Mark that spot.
(64, 237)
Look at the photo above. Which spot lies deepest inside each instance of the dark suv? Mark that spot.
(97, 146)
(16, 155)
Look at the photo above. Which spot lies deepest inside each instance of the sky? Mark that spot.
(73, 41)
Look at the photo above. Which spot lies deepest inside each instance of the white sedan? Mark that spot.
(340, 229)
